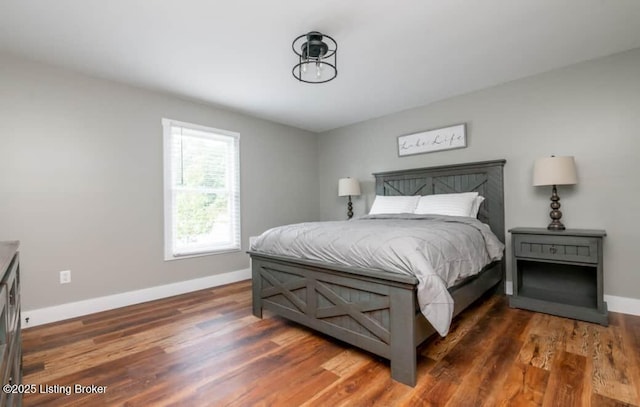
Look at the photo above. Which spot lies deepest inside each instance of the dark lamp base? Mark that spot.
(555, 213)
(556, 226)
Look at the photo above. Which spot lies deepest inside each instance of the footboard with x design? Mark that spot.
(372, 310)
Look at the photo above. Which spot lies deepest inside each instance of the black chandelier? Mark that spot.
(317, 60)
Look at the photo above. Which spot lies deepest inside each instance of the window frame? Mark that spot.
(167, 125)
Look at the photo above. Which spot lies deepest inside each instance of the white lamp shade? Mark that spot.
(555, 171)
(348, 186)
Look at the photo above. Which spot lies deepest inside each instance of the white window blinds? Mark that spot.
(201, 190)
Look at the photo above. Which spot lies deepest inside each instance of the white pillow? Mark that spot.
(476, 206)
(393, 204)
(446, 204)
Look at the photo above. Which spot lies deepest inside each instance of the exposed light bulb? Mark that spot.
(304, 67)
(318, 69)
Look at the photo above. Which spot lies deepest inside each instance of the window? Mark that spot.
(201, 190)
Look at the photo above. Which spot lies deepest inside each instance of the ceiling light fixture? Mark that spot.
(317, 60)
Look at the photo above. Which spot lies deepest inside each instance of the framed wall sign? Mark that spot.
(446, 138)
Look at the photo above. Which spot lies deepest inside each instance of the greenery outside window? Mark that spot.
(201, 190)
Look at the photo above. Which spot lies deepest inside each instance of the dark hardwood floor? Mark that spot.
(207, 349)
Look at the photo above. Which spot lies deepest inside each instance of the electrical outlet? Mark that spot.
(65, 276)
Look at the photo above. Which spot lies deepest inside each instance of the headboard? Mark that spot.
(484, 177)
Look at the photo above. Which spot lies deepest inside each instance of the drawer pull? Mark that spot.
(553, 249)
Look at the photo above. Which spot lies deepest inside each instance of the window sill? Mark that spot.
(202, 254)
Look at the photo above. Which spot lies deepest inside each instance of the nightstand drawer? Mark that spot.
(563, 248)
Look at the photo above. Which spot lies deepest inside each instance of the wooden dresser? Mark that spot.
(10, 343)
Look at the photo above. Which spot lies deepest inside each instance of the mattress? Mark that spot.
(440, 251)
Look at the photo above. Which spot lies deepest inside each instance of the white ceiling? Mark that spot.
(392, 55)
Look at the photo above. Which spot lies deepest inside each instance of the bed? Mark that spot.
(372, 309)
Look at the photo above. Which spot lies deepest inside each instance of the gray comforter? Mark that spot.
(438, 250)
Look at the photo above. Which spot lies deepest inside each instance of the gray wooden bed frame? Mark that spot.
(372, 309)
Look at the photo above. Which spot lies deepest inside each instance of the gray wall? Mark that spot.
(82, 169)
(81, 184)
(590, 110)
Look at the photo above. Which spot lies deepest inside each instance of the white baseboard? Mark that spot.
(508, 287)
(623, 305)
(75, 309)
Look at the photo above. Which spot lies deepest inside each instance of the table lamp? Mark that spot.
(555, 171)
(349, 187)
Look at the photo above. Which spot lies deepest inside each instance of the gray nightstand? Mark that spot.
(559, 272)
